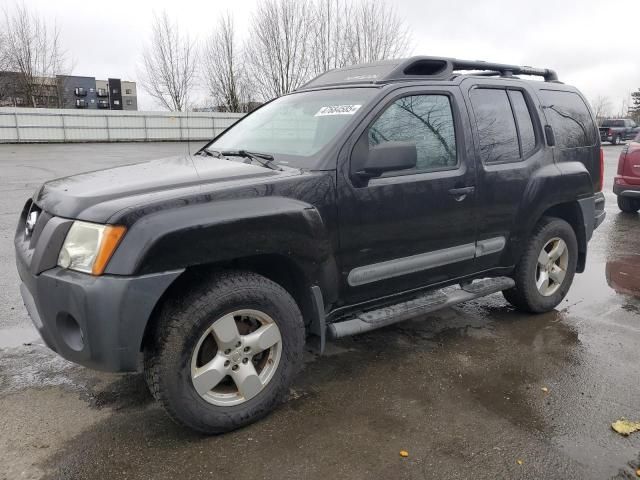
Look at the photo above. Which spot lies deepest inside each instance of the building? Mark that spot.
(77, 92)
(111, 94)
(69, 91)
(42, 94)
(129, 95)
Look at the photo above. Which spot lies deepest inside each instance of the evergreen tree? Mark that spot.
(634, 110)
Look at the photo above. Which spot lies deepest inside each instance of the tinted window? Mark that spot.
(496, 126)
(525, 125)
(426, 120)
(570, 119)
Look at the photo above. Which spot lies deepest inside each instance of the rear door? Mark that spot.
(411, 228)
(509, 149)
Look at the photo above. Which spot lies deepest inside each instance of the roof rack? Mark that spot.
(504, 70)
(413, 68)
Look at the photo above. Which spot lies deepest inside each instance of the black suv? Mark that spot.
(338, 209)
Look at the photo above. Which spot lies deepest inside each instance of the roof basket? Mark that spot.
(435, 68)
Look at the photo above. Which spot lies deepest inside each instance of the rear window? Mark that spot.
(613, 123)
(525, 124)
(503, 121)
(496, 125)
(570, 118)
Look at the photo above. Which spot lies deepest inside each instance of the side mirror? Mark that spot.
(389, 156)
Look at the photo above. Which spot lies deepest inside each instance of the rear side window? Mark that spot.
(426, 120)
(570, 118)
(524, 123)
(496, 126)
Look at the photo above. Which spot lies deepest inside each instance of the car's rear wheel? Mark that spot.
(225, 354)
(546, 269)
(628, 205)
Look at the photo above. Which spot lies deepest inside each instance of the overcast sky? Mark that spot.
(588, 43)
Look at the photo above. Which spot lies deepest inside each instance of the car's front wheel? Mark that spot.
(225, 354)
(546, 268)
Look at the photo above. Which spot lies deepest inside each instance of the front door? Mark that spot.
(411, 228)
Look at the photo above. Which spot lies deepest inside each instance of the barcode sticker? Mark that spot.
(337, 110)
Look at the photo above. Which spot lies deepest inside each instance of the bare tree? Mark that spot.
(279, 46)
(32, 50)
(224, 71)
(601, 106)
(624, 106)
(4, 45)
(331, 35)
(169, 62)
(378, 33)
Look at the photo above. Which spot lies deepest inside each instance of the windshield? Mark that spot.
(295, 128)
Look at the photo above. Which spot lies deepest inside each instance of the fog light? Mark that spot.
(70, 331)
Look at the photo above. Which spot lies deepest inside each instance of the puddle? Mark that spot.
(18, 336)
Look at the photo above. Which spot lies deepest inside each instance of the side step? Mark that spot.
(428, 303)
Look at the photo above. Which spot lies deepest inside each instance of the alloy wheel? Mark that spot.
(236, 357)
(552, 266)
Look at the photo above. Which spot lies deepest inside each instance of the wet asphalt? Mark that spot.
(476, 391)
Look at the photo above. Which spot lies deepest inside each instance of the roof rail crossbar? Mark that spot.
(503, 69)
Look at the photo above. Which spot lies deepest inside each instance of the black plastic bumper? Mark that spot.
(97, 322)
(593, 213)
(631, 191)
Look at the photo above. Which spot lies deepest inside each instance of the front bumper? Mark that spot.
(98, 322)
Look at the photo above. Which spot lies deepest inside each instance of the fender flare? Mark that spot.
(227, 230)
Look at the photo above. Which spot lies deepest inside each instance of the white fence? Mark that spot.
(26, 125)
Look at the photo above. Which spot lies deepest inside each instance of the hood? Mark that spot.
(75, 196)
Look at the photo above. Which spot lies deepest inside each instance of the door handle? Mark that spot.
(461, 193)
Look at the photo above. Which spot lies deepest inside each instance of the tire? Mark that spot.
(526, 296)
(628, 205)
(176, 360)
(615, 140)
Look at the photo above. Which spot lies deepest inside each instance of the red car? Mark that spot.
(626, 184)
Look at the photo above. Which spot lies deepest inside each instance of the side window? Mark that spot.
(426, 120)
(570, 118)
(496, 126)
(525, 124)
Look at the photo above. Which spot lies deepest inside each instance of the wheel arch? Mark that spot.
(571, 213)
(278, 268)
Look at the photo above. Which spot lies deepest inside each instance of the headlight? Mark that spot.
(89, 246)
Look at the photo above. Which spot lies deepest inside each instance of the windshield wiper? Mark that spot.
(263, 159)
(208, 153)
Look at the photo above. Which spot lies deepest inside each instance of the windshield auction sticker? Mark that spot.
(337, 110)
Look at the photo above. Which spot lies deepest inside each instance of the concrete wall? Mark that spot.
(26, 125)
